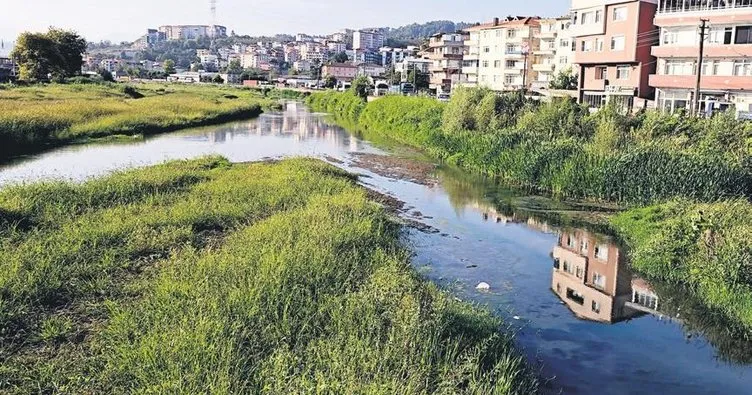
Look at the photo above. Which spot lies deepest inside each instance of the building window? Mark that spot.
(601, 250)
(678, 67)
(571, 242)
(485, 64)
(710, 68)
(743, 68)
(620, 14)
(584, 245)
(511, 33)
(743, 35)
(599, 281)
(617, 43)
(498, 33)
(580, 272)
(600, 72)
(646, 300)
(496, 78)
(511, 64)
(509, 80)
(575, 296)
(558, 288)
(587, 46)
(563, 43)
(669, 37)
(497, 63)
(598, 16)
(599, 45)
(596, 307)
(486, 49)
(563, 60)
(720, 35)
(586, 17)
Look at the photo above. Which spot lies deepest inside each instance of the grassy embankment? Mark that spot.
(39, 116)
(201, 276)
(696, 173)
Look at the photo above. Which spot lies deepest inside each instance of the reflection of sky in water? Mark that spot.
(512, 251)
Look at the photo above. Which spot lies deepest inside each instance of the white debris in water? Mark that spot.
(483, 287)
(516, 317)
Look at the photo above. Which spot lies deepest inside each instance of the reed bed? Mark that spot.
(205, 277)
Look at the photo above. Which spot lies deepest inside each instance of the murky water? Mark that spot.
(588, 322)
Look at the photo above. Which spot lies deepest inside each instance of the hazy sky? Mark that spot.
(127, 20)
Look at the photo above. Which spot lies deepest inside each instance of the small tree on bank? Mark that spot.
(330, 82)
(565, 80)
(360, 87)
(169, 66)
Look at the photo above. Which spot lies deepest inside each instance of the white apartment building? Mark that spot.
(408, 64)
(368, 40)
(499, 55)
(192, 32)
(336, 46)
(313, 52)
(554, 53)
(727, 66)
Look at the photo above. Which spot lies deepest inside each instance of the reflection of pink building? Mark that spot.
(612, 48)
(727, 67)
(592, 278)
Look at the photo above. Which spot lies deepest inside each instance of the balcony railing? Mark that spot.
(675, 6)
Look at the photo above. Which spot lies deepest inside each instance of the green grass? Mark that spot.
(38, 116)
(705, 247)
(205, 277)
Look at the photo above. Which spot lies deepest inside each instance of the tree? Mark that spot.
(169, 66)
(392, 76)
(340, 58)
(106, 75)
(218, 79)
(57, 54)
(330, 82)
(419, 78)
(565, 79)
(360, 87)
(234, 67)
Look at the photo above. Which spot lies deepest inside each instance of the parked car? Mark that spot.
(443, 97)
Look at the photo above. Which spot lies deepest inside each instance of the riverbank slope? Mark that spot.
(201, 276)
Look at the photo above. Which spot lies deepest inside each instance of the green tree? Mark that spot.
(218, 80)
(392, 76)
(234, 67)
(360, 87)
(340, 58)
(330, 82)
(565, 79)
(169, 66)
(57, 54)
(418, 78)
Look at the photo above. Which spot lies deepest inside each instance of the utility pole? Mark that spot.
(700, 58)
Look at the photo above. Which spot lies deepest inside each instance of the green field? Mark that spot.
(39, 116)
(205, 277)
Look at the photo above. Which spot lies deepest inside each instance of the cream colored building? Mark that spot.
(554, 53)
(499, 55)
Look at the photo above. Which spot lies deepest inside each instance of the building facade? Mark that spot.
(340, 71)
(368, 40)
(446, 52)
(554, 53)
(727, 65)
(498, 55)
(192, 32)
(613, 39)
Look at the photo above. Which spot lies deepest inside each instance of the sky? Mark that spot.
(127, 20)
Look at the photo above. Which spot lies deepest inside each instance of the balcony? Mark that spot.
(544, 67)
(514, 70)
(545, 51)
(514, 54)
(717, 13)
(445, 43)
(470, 70)
(711, 51)
(709, 82)
(679, 6)
(547, 35)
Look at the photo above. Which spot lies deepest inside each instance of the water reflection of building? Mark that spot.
(593, 278)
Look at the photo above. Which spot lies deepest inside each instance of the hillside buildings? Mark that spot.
(191, 32)
(370, 40)
(727, 66)
(498, 55)
(554, 53)
(612, 49)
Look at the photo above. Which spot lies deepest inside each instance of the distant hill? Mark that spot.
(417, 32)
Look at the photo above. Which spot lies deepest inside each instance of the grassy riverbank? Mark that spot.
(701, 242)
(39, 116)
(201, 276)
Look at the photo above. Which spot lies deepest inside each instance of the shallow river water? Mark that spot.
(588, 323)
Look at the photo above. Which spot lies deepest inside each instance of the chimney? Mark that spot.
(496, 21)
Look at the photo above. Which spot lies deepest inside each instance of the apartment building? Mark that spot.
(554, 53)
(192, 32)
(446, 52)
(727, 64)
(368, 40)
(593, 279)
(340, 71)
(498, 55)
(612, 49)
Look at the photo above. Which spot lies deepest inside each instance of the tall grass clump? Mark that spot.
(201, 276)
(46, 115)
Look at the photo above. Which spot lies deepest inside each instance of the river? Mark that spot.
(588, 323)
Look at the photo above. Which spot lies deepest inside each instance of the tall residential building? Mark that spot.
(727, 65)
(368, 40)
(192, 32)
(445, 51)
(612, 41)
(554, 53)
(499, 54)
